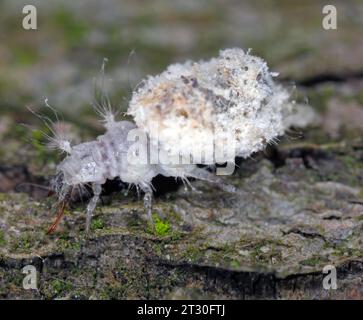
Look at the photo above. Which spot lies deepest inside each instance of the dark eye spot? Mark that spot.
(183, 113)
(185, 79)
(194, 82)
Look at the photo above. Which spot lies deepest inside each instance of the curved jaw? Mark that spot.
(60, 213)
(65, 195)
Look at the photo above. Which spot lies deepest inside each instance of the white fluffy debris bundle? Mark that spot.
(232, 99)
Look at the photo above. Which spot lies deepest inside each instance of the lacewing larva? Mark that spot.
(194, 113)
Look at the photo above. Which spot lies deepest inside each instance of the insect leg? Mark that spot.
(148, 199)
(97, 188)
(205, 175)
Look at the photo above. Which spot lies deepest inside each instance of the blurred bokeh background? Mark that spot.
(60, 59)
(63, 57)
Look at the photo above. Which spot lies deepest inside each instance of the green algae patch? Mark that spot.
(162, 228)
(97, 223)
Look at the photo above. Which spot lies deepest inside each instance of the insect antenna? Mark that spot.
(57, 135)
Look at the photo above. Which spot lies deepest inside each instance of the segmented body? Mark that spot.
(108, 157)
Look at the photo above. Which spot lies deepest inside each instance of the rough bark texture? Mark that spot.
(299, 205)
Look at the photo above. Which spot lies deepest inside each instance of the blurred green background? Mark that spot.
(61, 59)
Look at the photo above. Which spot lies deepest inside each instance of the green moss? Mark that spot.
(104, 295)
(2, 238)
(58, 286)
(235, 264)
(193, 253)
(176, 235)
(350, 161)
(161, 228)
(347, 252)
(274, 247)
(97, 223)
(16, 279)
(158, 248)
(312, 262)
(25, 242)
(70, 244)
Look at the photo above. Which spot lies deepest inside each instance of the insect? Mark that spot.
(106, 158)
(183, 112)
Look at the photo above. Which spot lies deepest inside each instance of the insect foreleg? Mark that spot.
(97, 188)
(148, 199)
(205, 175)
